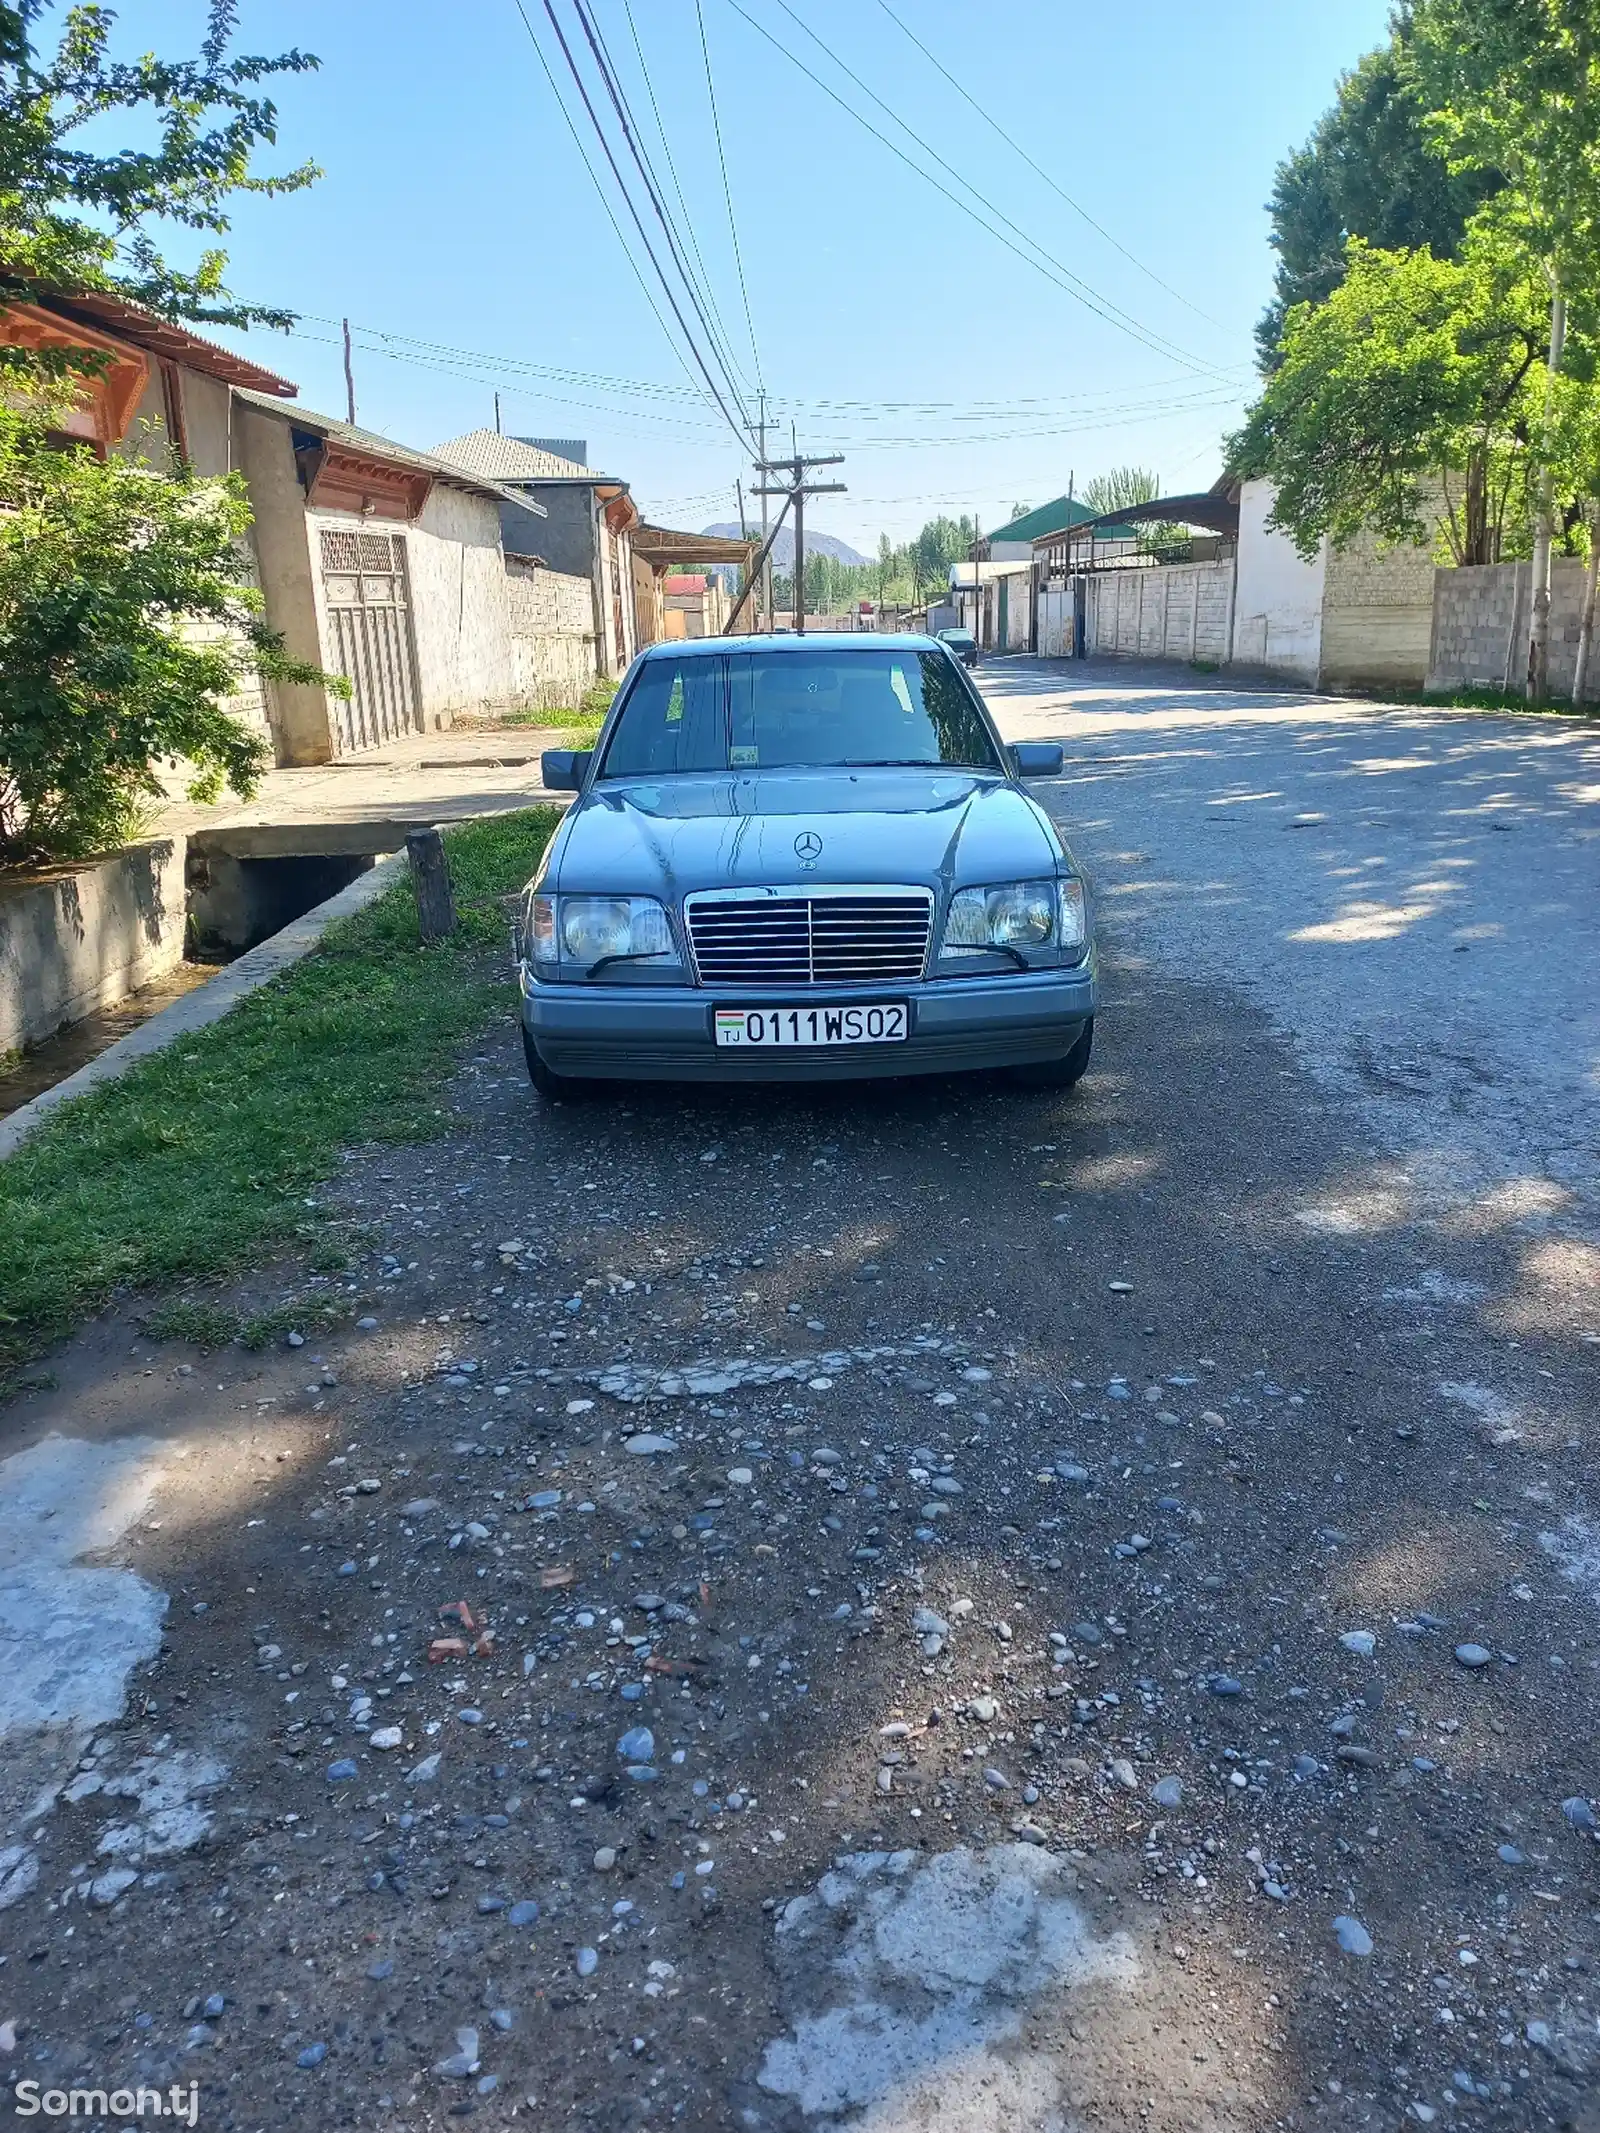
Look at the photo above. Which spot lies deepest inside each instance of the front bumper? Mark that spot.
(663, 1033)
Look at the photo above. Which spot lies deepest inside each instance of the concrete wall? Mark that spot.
(550, 618)
(1480, 627)
(301, 720)
(78, 938)
(1377, 616)
(1278, 604)
(1173, 611)
(458, 604)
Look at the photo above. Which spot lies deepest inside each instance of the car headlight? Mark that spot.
(1019, 915)
(583, 931)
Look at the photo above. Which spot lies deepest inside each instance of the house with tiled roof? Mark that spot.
(581, 523)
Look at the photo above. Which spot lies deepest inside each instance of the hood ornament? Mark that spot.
(808, 848)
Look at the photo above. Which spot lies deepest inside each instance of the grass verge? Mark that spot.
(200, 1159)
(1493, 700)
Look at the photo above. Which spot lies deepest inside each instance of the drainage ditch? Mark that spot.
(240, 888)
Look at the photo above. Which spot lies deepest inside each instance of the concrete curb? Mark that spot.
(207, 1003)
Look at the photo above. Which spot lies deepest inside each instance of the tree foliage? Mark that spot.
(127, 621)
(1120, 488)
(127, 615)
(74, 218)
(1371, 169)
(1414, 381)
(1513, 86)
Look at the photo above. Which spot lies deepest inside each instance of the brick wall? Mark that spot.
(1377, 615)
(550, 616)
(1480, 627)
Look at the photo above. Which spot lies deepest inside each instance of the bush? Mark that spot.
(127, 620)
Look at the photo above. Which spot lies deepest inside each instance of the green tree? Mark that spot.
(71, 217)
(1514, 86)
(1371, 169)
(1414, 380)
(127, 621)
(1120, 488)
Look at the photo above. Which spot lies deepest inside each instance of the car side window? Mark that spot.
(674, 719)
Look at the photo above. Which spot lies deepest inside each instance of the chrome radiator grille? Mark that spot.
(846, 937)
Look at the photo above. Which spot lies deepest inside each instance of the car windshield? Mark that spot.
(797, 710)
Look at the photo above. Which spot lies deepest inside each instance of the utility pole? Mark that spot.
(497, 414)
(797, 489)
(766, 568)
(349, 378)
(744, 530)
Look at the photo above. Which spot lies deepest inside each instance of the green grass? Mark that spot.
(1491, 700)
(573, 729)
(199, 1161)
(207, 1323)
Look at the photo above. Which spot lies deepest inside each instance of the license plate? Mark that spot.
(774, 1028)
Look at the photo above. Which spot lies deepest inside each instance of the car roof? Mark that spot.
(813, 640)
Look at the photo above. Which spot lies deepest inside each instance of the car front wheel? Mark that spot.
(1064, 1073)
(551, 1086)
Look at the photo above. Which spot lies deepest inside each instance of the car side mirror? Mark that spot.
(1035, 759)
(564, 769)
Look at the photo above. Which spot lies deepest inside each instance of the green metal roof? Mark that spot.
(1049, 518)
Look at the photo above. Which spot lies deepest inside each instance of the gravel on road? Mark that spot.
(921, 1605)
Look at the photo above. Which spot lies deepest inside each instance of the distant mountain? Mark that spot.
(783, 546)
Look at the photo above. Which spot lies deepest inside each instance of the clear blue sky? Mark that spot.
(455, 211)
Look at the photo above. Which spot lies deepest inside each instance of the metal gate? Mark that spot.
(369, 635)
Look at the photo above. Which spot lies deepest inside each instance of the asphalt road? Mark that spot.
(1109, 1581)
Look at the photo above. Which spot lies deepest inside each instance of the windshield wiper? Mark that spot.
(902, 762)
(639, 955)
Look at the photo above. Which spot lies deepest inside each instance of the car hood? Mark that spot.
(669, 836)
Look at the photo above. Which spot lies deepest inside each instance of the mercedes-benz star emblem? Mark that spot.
(808, 848)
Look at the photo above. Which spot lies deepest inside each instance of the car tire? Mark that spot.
(1064, 1073)
(552, 1087)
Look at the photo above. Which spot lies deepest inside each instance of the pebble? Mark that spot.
(605, 1859)
(1509, 1855)
(1360, 1641)
(587, 1962)
(1125, 1774)
(740, 1476)
(525, 1913)
(1167, 1792)
(637, 1745)
(385, 1737)
(1352, 1936)
(1579, 1814)
(313, 2054)
(645, 1443)
(426, 1771)
(1225, 1685)
(341, 1770)
(1473, 1655)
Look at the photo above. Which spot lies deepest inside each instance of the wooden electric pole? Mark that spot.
(349, 378)
(797, 489)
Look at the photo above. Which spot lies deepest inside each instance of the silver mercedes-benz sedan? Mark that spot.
(802, 859)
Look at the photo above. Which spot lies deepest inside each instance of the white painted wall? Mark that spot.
(1278, 603)
(456, 574)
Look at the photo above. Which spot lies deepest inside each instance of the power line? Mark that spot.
(594, 179)
(666, 149)
(702, 303)
(644, 235)
(727, 189)
(1039, 171)
(1053, 269)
